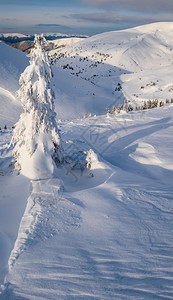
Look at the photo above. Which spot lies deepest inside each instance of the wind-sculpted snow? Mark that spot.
(46, 215)
(107, 232)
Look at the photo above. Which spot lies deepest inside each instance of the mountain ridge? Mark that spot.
(124, 57)
(104, 70)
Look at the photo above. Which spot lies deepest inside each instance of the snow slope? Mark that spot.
(83, 96)
(104, 237)
(12, 64)
(138, 59)
(103, 70)
(66, 41)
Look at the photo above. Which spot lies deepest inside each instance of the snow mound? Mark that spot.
(40, 165)
(92, 160)
(146, 154)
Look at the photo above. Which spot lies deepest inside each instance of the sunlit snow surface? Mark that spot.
(138, 60)
(101, 233)
(104, 237)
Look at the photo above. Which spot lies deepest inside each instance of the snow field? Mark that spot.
(107, 236)
(105, 232)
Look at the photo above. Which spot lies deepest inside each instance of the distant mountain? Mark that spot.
(18, 37)
(15, 37)
(26, 46)
(25, 42)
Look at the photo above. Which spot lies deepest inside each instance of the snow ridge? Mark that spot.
(38, 217)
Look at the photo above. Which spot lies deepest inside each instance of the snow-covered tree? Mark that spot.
(36, 136)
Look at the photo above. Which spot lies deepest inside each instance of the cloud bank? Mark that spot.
(134, 5)
(115, 18)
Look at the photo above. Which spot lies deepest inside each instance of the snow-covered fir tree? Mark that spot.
(36, 137)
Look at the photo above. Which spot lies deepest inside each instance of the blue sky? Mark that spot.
(80, 16)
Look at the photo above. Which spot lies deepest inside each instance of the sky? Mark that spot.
(87, 17)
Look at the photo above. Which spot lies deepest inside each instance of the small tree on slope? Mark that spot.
(36, 137)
